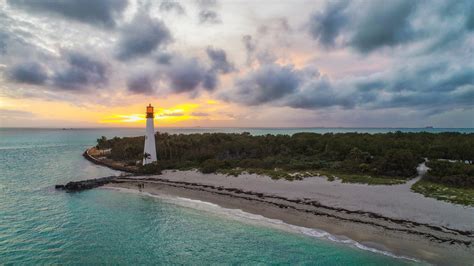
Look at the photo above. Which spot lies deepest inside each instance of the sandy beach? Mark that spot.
(387, 218)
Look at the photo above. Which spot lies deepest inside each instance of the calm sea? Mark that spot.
(39, 225)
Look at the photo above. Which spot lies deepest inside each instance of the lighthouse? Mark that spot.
(149, 153)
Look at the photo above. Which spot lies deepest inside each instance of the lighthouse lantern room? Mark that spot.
(149, 153)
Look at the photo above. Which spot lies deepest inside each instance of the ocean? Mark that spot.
(39, 225)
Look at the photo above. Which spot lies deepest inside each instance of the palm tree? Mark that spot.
(146, 156)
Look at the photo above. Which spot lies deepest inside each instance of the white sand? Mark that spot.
(395, 201)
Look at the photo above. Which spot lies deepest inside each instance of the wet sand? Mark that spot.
(389, 218)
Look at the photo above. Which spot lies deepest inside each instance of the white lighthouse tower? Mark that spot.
(149, 153)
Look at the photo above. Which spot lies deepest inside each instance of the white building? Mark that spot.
(149, 153)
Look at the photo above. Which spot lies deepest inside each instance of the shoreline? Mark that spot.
(256, 219)
(413, 227)
(433, 244)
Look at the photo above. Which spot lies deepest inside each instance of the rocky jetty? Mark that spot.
(76, 186)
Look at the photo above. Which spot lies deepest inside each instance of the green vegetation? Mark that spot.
(148, 169)
(448, 181)
(464, 196)
(369, 180)
(454, 174)
(351, 157)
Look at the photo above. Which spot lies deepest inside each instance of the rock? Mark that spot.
(86, 184)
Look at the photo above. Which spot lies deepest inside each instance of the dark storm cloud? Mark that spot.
(82, 72)
(435, 84)
(286, 86)
(429, 87)
(210, 80)
(142, 83)
(268, 83)
(185, 75)
(366, 25)
(385, 24)
(470, 18)
(325, 26)
(431, 77)
(28, 72)
(164, 58)
(102, 13)
(142, 36)
(219, 60)
(169, 5)
(209, 16)
(319, 93)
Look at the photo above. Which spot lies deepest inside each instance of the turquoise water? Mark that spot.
(39, 225)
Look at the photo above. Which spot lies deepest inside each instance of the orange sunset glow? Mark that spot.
(166, 114)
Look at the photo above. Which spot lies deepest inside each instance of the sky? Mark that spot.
(237, 63)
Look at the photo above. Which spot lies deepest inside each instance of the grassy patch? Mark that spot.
(370, 180)
(345, 178)
(464, 196)
(363, 179)
(274, 174)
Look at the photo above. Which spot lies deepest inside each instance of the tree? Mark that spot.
(103, 143)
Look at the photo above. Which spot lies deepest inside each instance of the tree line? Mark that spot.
(385, 155)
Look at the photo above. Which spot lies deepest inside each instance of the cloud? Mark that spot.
(429, 85)
(210, 80)
(368, 26)
(171, 114)
(470, 18)
(268, 83)
(169, 5)
(185, 75)
(81, 72)
(199, 114)
(258, 51)
(142, 36)
(180, 74)
(7, 113)
(141, 83)
(209, 16)
(250, 47)
(3, 42)
(325, 26)
(164, 58)
(104, 12)
(28, 72)
(433, 86)
(319, 93)
(219, 60)
(206, 4)
(384, 24)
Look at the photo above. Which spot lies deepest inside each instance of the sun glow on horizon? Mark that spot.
(170, 111)
(175, 114)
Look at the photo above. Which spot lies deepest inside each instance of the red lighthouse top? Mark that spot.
(149, 111)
